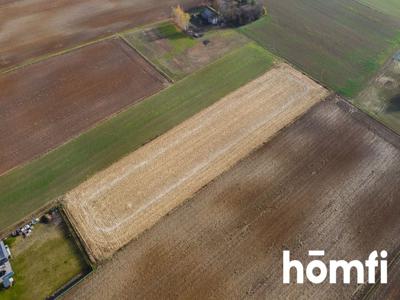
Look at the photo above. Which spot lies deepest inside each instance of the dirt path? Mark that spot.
(121, 202)
(31, 28)
(45, 104)
(327, 182)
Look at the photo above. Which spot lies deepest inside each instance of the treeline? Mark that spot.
(239, 12)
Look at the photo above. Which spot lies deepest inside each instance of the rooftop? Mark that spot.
(3, 254)
(6, 272)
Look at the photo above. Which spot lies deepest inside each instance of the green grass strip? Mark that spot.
(29, 187)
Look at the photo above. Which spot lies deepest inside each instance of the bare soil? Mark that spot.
(31, 28)
(45, 104)
(330, 181)
(119, 203)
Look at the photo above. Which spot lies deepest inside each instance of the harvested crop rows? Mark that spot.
(329, 181)
(122, 201)
(31, 28)
(29, 187)
(45, 104)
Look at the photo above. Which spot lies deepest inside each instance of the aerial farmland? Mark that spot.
(141, 188)
(314, 185)
(85, 92)
(180, 149)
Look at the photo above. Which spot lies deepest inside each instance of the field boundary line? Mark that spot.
(144, 26)
(158, 69)
(99, 123)
(39, 59)
(53, 201)
(4, 232)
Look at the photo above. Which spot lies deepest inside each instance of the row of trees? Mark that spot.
(233, 12)
(239, 12)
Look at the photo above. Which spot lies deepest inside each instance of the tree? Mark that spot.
(240, 12)
(181, 18)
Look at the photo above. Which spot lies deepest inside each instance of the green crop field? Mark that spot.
(390, 7)
(25, 189)
(340, 43)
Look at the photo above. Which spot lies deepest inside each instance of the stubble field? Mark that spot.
(329, 181)
(35, 184)
(45, 104)
(122, 201)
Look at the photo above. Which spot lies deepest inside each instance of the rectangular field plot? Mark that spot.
(329, 181)
(45, 104)
(32, 28)
(177, 54)
(122, 201)
(33, 185)
(340, 43)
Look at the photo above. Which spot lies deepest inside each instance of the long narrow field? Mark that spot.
(31, 28)
(341, 43)
(328, 182)
(45, 104)
(28, 188)
(119, 203)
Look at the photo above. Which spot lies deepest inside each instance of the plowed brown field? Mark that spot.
(45, 104)
(330, 181)
(31, 28)
(122, 201)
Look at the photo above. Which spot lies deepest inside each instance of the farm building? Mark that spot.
(210, 16)
(6, 272)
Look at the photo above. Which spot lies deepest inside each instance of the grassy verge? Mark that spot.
(176, 54)
(43, 262)
(25, 189)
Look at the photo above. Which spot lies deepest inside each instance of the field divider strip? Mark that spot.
(165, 75)
(263, 57)
(44, 57)
(54, 54)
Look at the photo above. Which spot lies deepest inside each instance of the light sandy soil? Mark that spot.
(30, 28)
(330, 181)
(119, 203)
